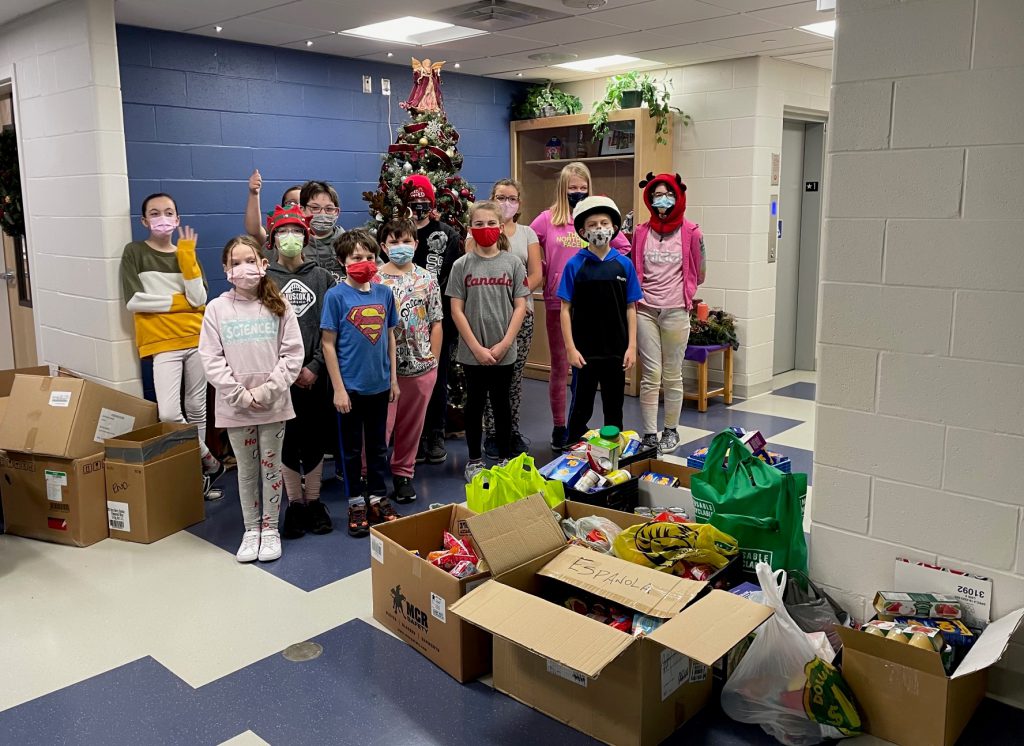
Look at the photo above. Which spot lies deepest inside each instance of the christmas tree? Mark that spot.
(427, 145)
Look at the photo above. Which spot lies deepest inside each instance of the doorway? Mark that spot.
(15, 274)
(799, 232)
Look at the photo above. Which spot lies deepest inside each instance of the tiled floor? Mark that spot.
(177, 643)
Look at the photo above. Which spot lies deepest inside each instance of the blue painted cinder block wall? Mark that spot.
(201, 113)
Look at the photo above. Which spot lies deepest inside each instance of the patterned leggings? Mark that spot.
(258, 451)
(523, 341)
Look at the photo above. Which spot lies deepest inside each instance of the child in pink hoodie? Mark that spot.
(252, 352)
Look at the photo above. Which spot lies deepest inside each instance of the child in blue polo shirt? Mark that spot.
(599, 292)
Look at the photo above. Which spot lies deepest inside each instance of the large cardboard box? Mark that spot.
(904, 693)
(7, 377)
(617, 688)
(54, 499)
(68, 417)
(154, 482)
(652, 494)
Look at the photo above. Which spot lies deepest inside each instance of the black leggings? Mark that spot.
(306, 436)
(365, 427)
(609, 374)
(494, 381)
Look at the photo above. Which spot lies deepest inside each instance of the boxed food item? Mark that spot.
(566, 468)
(412, 597)
(54, 499)
(925, 605)
(779, 461)
(973, 592)
(669, 485)
(619, 688)
(154, 482)
(905, 692)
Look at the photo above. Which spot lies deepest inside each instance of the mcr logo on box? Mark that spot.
(401, 605)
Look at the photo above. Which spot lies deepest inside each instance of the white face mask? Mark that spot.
(599, 236)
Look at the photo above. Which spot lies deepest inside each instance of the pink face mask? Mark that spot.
(509, 209)
(246, 276)
(162, 226)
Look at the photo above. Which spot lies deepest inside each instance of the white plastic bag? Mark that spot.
(768, 686)
(601, 541)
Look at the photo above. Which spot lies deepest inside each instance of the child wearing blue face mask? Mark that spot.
(418, 339)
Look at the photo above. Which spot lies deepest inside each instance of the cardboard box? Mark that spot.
(7, 377)
(617, 688)
(68, 417)
(974, 592)
(154, 482)
(904, 693)
(54, 499)
(658, 494)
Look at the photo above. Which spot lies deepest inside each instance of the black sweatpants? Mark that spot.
(494, 381)
(437, 409)
(365, 426)
(612, 379)
(306, 437)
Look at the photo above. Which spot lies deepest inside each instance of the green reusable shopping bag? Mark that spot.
(754, 502)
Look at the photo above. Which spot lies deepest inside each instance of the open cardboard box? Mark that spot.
(904, 692)
(652, 494)
(615, 687)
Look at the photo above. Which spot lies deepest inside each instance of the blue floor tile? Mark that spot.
(798, 390)
(720, 417)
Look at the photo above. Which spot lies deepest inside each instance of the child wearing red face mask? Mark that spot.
(488, 290)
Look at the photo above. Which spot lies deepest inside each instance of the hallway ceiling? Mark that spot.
(666, 32)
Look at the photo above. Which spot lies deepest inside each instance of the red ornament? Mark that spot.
(464, 192)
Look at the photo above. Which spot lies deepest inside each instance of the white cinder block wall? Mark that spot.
(725, 159)
(75, 183)
(920, 411)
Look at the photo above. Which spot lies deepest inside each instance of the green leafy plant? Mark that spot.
(654, 93)
(546, 101)
(719, 329)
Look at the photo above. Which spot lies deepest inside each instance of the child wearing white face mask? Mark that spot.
(164, 288)
(252, 352)
(417, 346)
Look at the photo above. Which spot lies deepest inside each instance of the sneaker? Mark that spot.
(520, 443)
(404, 492)
(421, 452)
(669, 441)
(382, 511)
(473, 468)
(503, 463)
(436, 454)
(270, 545)
(318, 519)
(357, 523)
(491, 448)
(296, 515)
(250, 548)
(650, 440)
(559, 436)
(211, 492)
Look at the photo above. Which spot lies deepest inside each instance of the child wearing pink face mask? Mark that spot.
(165, 290)
(251, 350)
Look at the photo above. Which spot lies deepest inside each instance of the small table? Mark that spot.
(699, 354)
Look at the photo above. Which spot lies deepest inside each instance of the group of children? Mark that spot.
(366, 320)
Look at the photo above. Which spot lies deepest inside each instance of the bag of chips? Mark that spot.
(661, 545)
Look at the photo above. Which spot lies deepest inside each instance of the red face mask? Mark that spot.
(361, 271)
(485, 237)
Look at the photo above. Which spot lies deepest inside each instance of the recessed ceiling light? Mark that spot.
(551, 58)
(412, 30)
(218, 29)
(767, 41)
(600, 64)
(825, 28)
(519, 75)
(309, 43)
(391, 54)
(456, 65)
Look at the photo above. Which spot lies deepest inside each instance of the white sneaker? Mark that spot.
(473, 468)
(250, 548)
(270, 545)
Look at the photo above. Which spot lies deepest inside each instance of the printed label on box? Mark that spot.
(60, 399)
(118, 517)
(973, 592)
(55, 480)
(437, 608)
(112, 424)
(675, 671)
(698, 672)
(569, 674)
(377, 548)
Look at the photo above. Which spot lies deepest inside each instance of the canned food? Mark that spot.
(618, 477)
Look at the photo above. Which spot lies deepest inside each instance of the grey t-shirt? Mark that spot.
(488, 287)
(521, 240)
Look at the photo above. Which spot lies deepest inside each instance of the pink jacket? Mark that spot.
(249, 354)
(692, 238)
(561, 243)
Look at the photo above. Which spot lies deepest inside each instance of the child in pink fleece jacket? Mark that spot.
(252, 352)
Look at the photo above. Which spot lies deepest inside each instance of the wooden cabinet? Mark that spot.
(615, 174)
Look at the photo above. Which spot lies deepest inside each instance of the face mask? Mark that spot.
(289, 244)
(401, 254)
(246, 276)
(361, 271)
(162, 226)
(599, 236)
(509, 210)
(485, 237)
(323, 224)
(420, 210)
(663, 202)
(575, 198)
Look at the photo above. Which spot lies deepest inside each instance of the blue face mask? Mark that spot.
(401, 254)
(664, 202)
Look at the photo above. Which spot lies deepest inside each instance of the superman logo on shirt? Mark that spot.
(369, 320)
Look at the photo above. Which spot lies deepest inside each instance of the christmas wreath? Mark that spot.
(719, 329)
(12, 216)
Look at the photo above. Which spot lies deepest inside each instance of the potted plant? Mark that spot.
(546, 101)
(629, 91)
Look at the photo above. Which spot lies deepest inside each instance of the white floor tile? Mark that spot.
(245, 739)
(794, 376)
(778, 406)
(801, 436)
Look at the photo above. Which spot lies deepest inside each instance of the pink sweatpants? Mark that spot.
(405, 420)
(558, 381)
